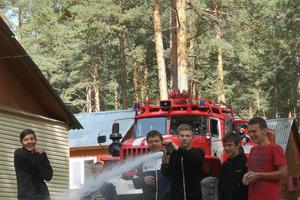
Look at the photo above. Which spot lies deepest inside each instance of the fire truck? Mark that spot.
(210, 120)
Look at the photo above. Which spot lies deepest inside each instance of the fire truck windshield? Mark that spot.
(144, 125)
(197, 122)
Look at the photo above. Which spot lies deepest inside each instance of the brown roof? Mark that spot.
(28, 73)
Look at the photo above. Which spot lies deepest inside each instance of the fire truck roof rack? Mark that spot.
(189, 104)
(181, 101)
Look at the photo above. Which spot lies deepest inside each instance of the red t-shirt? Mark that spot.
(265, 159)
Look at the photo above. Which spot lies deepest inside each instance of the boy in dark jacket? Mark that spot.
(154, 185)
(184, 165)
(233, 170)
(32, 168)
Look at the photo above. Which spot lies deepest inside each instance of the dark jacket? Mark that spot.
(161, 190)
(230, 180)
(185, 168)
(32, 170)
(106, 192)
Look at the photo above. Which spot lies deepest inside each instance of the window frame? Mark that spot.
(81, 161)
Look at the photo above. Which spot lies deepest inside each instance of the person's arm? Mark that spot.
(278, 174)
(140, 180)
(25, 160)
(45, 170)
(166, 167)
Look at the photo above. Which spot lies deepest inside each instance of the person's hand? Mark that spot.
(252, 177)
(165, 159)
(149, 180)
(38, 150)
(245, 181)
(169, 142)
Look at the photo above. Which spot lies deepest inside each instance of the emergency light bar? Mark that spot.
(165, 105)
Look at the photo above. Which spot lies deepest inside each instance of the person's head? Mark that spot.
(186, 135)
(242, 130)
(28, 139)
(154, 140)
(257, 129)
(97, 168)
(231, 143)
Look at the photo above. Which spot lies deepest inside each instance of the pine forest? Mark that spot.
(106, 54)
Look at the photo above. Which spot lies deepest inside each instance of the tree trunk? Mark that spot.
(123, 71)
(89, 99)
(220, 73)
(250, 109)
(276, 96)
(135, 82)
(173, 45)
(193, 83)
(298, 103)
(182, 45)
(116, 95)
(20, 21)
(257, 98)
(159, 52)
(96, 87)
(144, 92)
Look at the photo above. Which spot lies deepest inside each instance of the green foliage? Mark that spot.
(260, 48)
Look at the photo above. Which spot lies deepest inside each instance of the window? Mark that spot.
(80, 170)
(197, 122)
(148, 124)
(214, 127)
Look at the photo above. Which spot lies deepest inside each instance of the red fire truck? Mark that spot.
(210, 120)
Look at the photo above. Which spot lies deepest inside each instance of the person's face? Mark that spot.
(242, 130)
(256, 133)
(97, 169)
(29, 142)
(185, 139)
(231, 149)
(154, 143)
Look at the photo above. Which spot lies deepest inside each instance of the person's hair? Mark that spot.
(154, 133)
(185, 127)
(99, 163)
(258, 120)
(26, 132)
(231, 137)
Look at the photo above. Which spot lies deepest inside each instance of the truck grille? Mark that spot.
(133, 152)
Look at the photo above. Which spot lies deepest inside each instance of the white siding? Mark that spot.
(52, 137)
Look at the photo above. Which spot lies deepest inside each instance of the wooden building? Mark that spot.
(84, 147)
(287, 136)
(28, 101)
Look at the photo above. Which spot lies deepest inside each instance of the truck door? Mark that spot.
(216, 138)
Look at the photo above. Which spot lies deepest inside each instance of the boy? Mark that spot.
(233, 170)
(267, 164)
(154, 185)
(184, 166)
(32, 168)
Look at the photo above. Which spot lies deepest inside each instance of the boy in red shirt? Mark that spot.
(266, 164)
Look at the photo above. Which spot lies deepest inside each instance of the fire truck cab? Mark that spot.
(210, 121)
